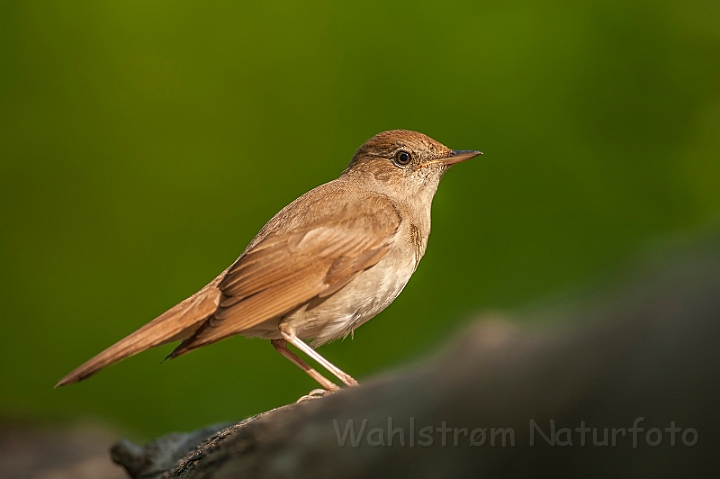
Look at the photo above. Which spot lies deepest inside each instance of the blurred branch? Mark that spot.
(648, 350)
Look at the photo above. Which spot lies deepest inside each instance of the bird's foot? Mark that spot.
(315, 394)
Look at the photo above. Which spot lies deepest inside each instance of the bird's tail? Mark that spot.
(178, 323)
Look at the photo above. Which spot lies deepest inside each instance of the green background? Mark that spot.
(143, 144)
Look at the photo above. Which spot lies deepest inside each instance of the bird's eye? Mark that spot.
(402, 158)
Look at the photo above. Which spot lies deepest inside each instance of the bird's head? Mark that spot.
(405, 162)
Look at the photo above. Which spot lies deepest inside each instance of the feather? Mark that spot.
(178, 323)
(315, 262)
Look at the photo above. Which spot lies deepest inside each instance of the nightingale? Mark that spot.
(324, 265)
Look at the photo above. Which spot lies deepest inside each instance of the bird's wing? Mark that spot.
(288, 269)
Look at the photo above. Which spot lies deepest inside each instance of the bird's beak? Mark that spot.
(455, 156)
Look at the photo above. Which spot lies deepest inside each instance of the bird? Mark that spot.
(320, 268)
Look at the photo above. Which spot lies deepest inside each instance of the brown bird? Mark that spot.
(321, 267)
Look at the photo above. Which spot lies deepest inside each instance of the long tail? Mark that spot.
(178, 323)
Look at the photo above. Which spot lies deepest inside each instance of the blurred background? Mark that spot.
(143, 144)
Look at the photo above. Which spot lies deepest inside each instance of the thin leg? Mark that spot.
(281, 346)
(303, 346)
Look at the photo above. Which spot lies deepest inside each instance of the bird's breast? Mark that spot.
(368, 294)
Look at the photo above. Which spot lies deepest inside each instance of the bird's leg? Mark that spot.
(304, 347)
(281, 346)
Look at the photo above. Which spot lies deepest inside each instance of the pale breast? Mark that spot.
(363, 298)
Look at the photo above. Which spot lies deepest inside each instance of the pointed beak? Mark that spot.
(455, 156)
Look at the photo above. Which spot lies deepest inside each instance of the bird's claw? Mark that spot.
(315, 394)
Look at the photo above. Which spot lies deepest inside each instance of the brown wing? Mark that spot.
(288, 269)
